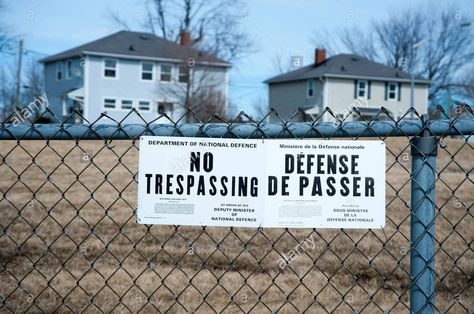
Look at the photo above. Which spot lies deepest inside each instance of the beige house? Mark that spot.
(342, 82)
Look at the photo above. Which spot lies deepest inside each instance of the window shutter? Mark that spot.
(355, 89)
(386, 90)
(399, 91)
(368, 89)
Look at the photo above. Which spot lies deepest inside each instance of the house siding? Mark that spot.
(341, 97)
(127, 85)
(287, 97)
(56, 90)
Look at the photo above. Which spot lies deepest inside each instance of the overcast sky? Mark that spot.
(284, 26)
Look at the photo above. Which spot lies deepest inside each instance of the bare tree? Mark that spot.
(393, 38)
(282, 63)
(214, 25)
(323, 38)
(34, 84)
(5, 37)
(261, 108)
(7, 92)
(201, 92)
(465, 84)
(446, 49)
(448, 53)
(208, 102)
(352, 40)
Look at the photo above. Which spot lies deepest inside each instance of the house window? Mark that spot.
(143, 105)
(164, 107)
(126, 104)
(147, 71)
(183, 74)
(110, 103)
(165, 74)
(361, 89)
(310, 88)
(392, 91)
(59, 70)
(68, 69)
(110, 68)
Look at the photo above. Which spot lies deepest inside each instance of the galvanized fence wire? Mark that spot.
(69, 241)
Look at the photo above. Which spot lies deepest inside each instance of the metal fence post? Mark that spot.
(422, 289)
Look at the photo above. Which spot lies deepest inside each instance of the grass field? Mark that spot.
(70, 243)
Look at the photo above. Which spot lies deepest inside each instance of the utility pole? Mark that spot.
(18, 76)
(412, 82)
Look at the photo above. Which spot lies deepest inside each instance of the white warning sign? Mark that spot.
(255, 183)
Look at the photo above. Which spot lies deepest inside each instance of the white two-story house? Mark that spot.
(342, 82)
(131, 70)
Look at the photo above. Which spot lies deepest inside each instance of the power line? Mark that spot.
(36, 52)
(8, 52)
(248, 94)
(25, 51)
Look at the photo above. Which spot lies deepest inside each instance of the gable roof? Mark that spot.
(346, 66)
(134, 45)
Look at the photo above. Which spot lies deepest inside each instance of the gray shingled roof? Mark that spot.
(136, 44)
(345, 65)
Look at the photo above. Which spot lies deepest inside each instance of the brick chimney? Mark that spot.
(319, 56)
(185, 38)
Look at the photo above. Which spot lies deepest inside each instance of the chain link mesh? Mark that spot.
(69, 241)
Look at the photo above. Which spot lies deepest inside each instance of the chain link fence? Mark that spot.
(69, 240)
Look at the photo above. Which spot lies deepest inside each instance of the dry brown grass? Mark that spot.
(70, 242)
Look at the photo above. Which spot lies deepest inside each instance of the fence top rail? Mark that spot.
(354, 129)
